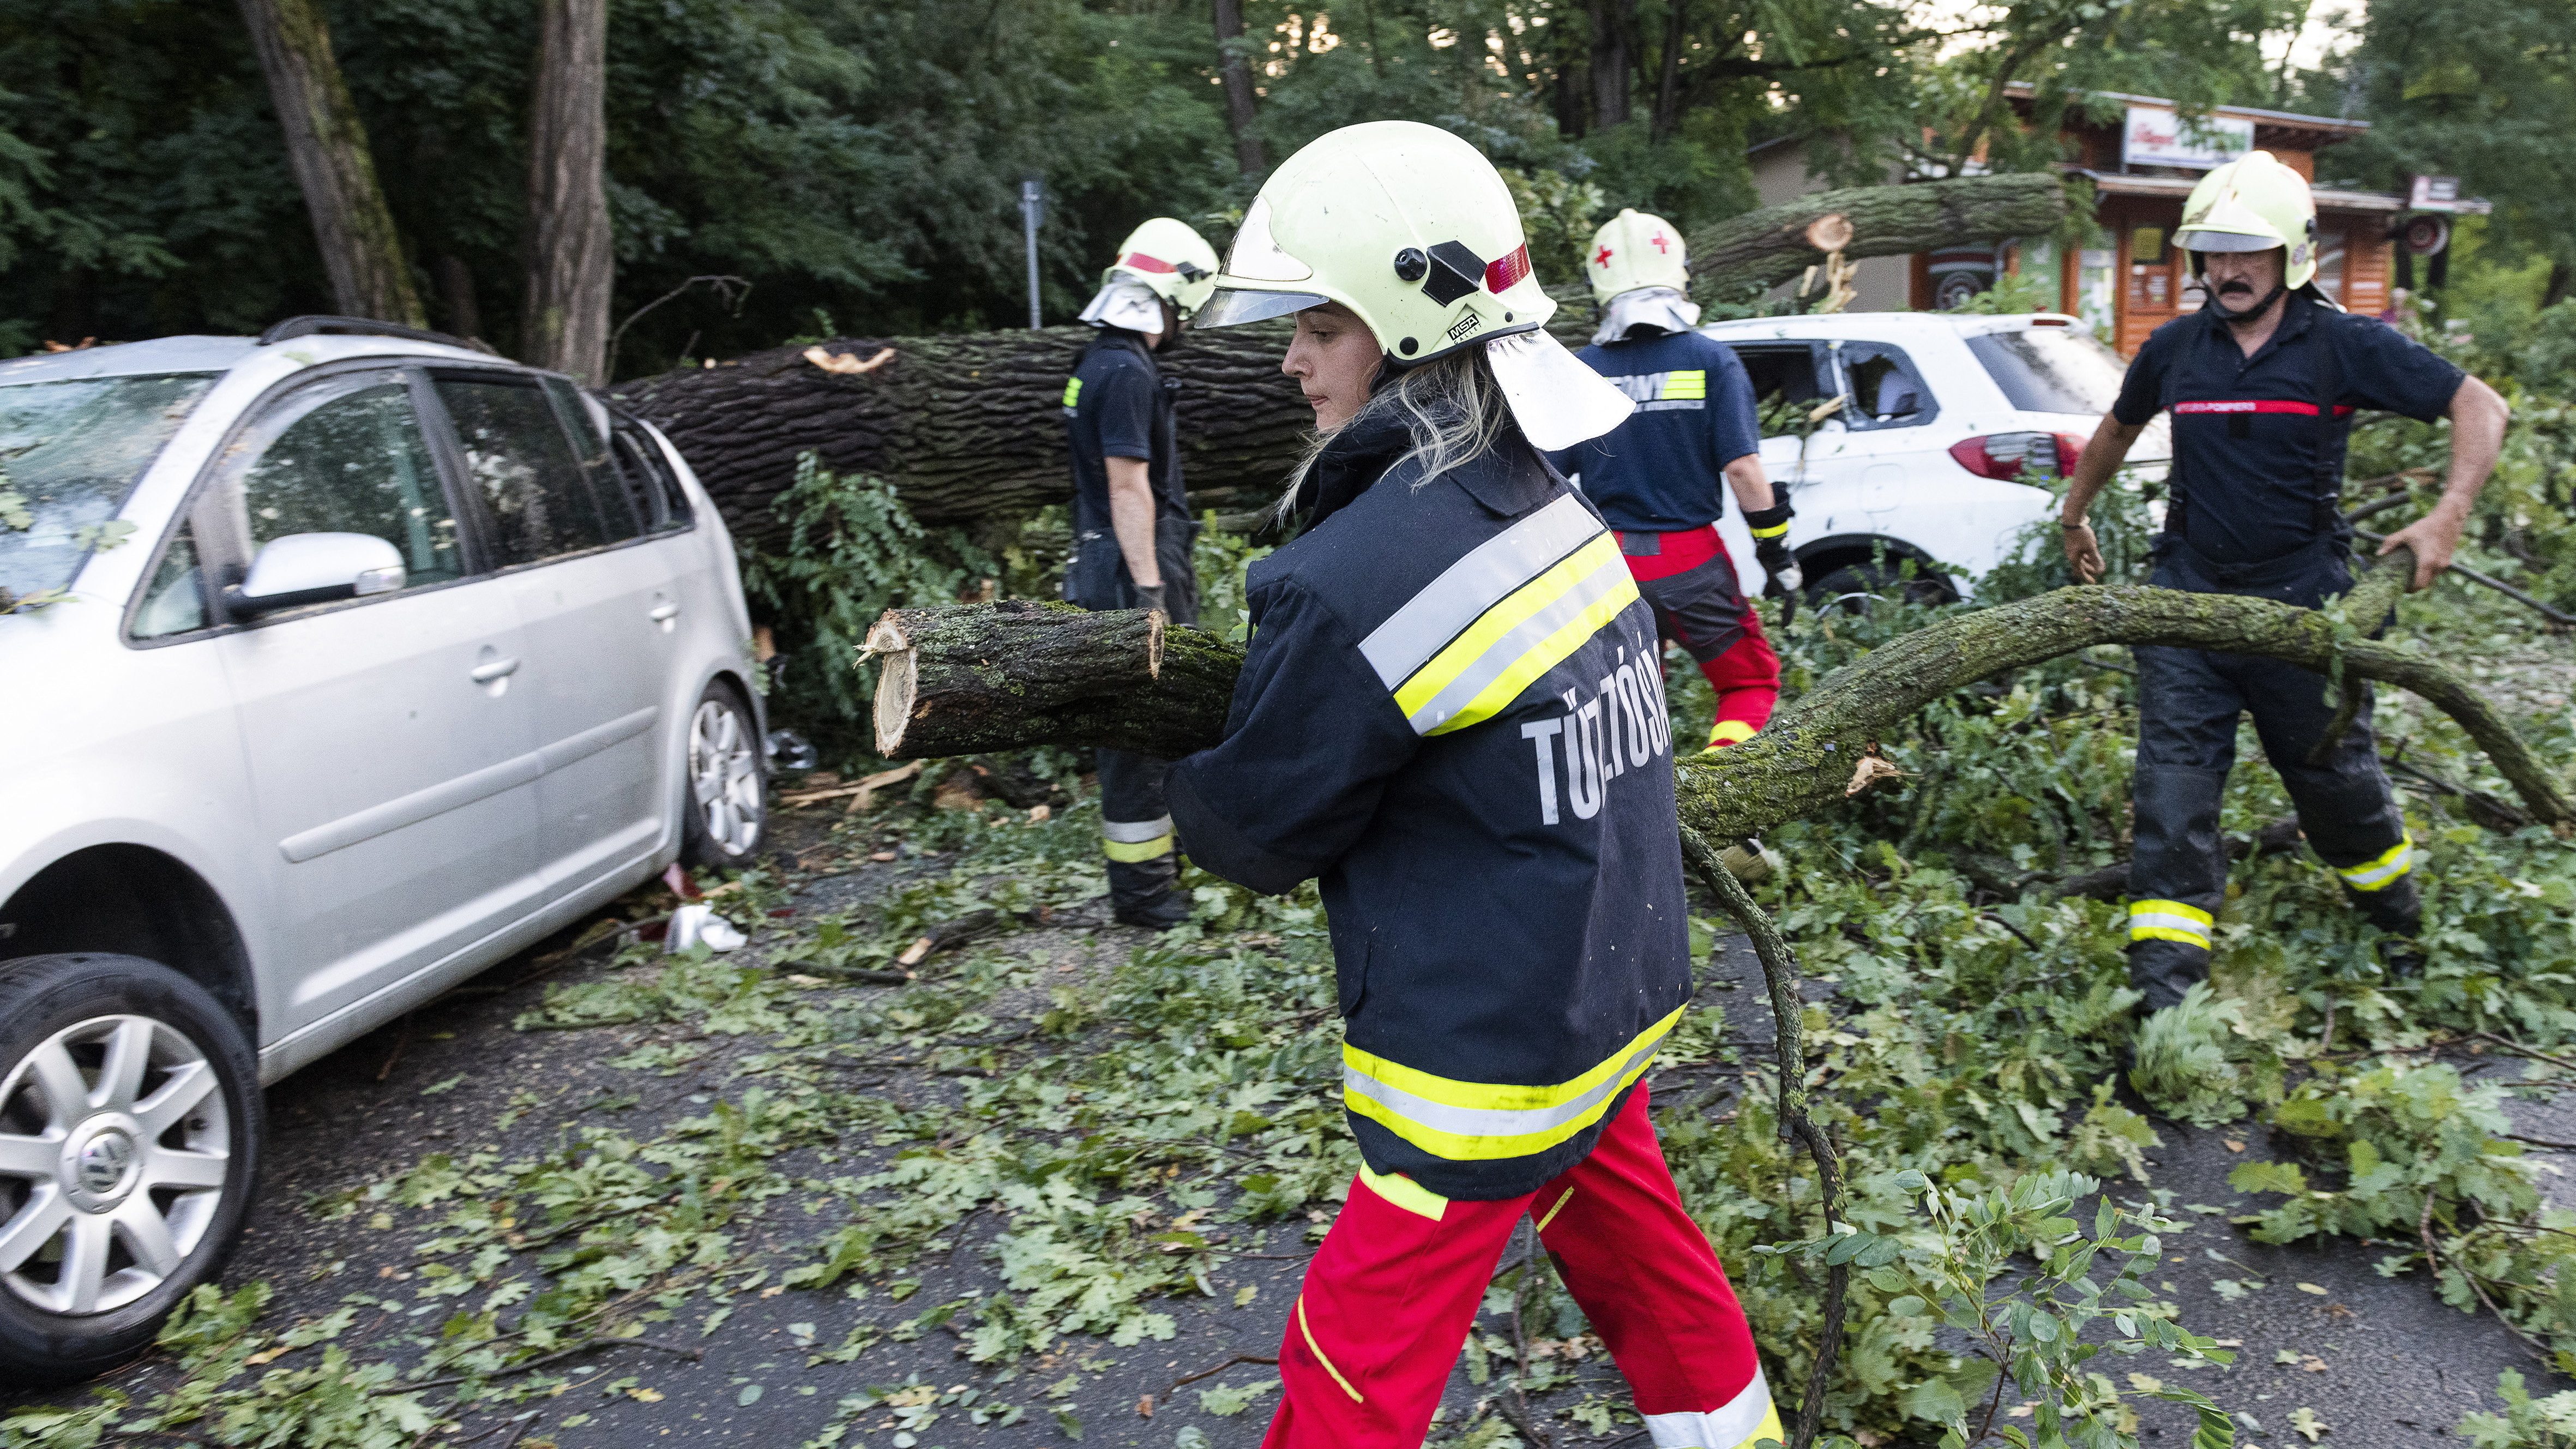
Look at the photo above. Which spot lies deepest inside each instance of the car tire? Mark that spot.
(1854, 587)
(130, 1134)
(724, 791)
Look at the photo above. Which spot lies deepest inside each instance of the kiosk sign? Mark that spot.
(2156, 136)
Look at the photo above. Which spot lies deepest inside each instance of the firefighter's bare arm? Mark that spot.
(1750, 485)
(2478, 417)
(2103, 454)
(1131, 517)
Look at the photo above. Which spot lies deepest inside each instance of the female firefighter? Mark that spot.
(1452, 714)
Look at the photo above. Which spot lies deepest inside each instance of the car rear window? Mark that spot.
(69, 451)
(2051, 369)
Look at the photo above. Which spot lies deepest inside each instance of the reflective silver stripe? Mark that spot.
(1136, 832)
(1494, 1122)
(1528, 634)
(1726, 1428)
(1467, 588)
(2363, 877)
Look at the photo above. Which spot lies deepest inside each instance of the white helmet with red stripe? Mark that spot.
(1163, 257)
(1412, 229)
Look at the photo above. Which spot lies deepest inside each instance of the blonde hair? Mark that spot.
(1452, 407)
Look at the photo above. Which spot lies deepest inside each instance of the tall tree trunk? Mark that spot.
(570, 266)
(1572, 92)
(1668, 72)
(1614, 60)
(970, 427)
(457, 296)
(326, 145)
(1250, 156)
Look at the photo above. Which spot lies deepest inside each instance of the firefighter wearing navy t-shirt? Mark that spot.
(2262, 383)
(1657, 477)
(1131, 521)
(1449, 716)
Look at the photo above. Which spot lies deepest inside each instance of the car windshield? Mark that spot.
(2051, 369)
(68, 453)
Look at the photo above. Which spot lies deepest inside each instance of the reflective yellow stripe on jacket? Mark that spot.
(1465, 647)
(1479, 1121)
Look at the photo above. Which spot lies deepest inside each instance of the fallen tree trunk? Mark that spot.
(1765, 248)
(971, 426)
(970, 679)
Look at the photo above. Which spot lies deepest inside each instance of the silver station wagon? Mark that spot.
(338, 665)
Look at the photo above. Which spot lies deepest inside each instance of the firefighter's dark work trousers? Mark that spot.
(2188, 704)
(1135, 826)
(1690, 581)
(1390, 1297)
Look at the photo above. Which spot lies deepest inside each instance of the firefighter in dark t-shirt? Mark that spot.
(2262, 383)
(1131, 520)
(1661, 478)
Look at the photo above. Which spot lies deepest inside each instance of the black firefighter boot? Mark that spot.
(2398, 912)
(1144, 892)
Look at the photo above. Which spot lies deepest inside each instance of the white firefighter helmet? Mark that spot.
(1635, 249)
(1413, 230)
(2253, 204)
(1164, 260)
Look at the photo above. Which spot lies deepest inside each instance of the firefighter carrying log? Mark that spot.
(2262, 383)
(1451, 713)
(1661, 478)
(1131, 520)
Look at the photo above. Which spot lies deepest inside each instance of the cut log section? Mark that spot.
(984, 677)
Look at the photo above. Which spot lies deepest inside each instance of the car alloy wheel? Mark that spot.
(724, 776)
(114, 1161)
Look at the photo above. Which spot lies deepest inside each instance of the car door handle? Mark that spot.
(664, 613)
(493, 669)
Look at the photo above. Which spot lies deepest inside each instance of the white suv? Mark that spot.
(1943, 415)
(341, 664)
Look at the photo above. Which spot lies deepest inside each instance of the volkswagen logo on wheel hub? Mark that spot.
(97, 1168)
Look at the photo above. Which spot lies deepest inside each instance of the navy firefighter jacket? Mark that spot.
(1451, 713)
(2258, 442)
(1661, 471)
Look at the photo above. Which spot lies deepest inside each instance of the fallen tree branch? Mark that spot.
(1789, 1058)
(981, 677)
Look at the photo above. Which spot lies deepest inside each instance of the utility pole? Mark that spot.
(1032, 209)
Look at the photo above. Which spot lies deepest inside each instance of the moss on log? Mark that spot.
(1002, 676)
(1767, 247)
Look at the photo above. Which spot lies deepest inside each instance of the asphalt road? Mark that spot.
(2380, 1361)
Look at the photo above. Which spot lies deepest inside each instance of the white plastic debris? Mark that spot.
(694, 925)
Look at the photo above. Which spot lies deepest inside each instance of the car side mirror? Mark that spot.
(315, 568)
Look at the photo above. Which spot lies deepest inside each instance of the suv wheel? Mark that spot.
(725, 811)
(129, 1141)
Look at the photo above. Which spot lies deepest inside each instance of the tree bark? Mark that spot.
(570, 265)
(1667, 114)
(970, 426)
(1106, 682)
(1765, 248)
(1250, 156)
(326, 147)
(1614, 60)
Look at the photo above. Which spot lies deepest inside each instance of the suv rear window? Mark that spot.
(2051, 369)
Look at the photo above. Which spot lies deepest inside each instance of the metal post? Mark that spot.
(1032, 206)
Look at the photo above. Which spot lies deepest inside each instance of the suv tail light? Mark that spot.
(2007, 456)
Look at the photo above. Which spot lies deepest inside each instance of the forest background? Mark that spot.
(858, 162)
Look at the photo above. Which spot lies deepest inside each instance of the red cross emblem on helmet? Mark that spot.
(1602, 260)
(1660, 244)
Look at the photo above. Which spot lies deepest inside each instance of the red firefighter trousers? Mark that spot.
(1690, 581)
(1392, 1293)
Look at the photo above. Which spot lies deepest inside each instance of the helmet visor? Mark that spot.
(1257, 256)
(1232, 306)
(2194, 240)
